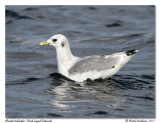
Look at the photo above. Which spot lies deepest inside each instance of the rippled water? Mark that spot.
(34, 88)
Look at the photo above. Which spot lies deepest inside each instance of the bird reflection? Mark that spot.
(66, 93)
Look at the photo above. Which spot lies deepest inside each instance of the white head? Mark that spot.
(61, 44)
(58, 41)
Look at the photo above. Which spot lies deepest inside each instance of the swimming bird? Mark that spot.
(89, 67)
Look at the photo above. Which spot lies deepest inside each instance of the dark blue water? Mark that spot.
(34, 89)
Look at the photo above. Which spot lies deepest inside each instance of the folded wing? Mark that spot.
(91, 63)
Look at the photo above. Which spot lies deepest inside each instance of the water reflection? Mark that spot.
(67, 94)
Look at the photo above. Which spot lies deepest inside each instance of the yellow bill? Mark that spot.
(44, 43)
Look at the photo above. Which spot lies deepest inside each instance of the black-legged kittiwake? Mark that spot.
(82, 68)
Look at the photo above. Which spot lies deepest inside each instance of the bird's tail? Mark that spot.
(131, 52)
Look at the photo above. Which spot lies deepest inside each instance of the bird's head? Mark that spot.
(58, 41)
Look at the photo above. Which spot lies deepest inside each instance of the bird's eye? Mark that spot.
(54, 40)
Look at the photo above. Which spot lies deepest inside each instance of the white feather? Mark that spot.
(66, 61)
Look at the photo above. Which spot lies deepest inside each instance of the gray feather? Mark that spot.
(94, 63)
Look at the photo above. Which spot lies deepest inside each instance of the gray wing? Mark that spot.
(94, 63)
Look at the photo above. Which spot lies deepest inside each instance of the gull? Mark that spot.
(89, 67)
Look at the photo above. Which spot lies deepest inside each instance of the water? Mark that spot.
(34, 89)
